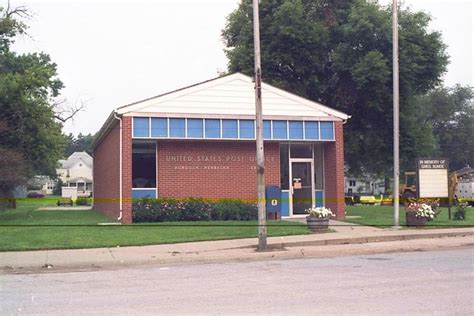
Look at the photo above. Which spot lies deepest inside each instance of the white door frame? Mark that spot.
(310, 160)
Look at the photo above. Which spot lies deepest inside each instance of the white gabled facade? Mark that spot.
(231, 96)
(76, 171)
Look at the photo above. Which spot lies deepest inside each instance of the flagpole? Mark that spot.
(396, 118)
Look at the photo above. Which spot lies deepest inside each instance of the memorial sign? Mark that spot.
(433, 178)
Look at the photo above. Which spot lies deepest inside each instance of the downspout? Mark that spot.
(120, 167)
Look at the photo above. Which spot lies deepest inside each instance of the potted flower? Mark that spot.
(318, 218)
(417, 214)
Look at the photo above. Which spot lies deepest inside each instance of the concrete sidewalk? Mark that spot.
(348, 239)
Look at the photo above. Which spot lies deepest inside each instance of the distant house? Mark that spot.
(465, 187)
(76, 171)
(363, 185)
(41, 184)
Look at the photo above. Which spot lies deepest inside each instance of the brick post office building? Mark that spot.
(199, 141)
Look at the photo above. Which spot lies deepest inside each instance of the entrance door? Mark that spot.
(301, 186)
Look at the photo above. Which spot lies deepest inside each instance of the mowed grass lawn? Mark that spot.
(26, 228)
(382, 216)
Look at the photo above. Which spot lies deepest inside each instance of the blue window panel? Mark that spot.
(177, 127)
(138, 194)
(285, 203)
(141, 127)
(327, 132)
(311, 130)
(267, 130)
(213, 128)
(159, 127)
(318, 196)
(229, 129)
(296, 130)
(247, 129)
(280, 130)
(195, 129)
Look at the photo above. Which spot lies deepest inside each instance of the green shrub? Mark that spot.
(234, 209)
(83, 201)
(191, 209)
(460, 213)
(196, 209)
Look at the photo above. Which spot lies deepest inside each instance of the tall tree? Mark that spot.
(79, 143)
(29, 133)
(451, 113)
(339, 52)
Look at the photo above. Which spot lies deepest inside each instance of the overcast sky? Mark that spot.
(110, 53)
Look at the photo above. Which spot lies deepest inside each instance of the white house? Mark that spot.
(42, 184)
(465, 187)
(76, 171)
(363, 185)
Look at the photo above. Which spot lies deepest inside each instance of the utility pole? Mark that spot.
(396, 119)
(262, 214)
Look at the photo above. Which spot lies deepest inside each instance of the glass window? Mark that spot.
(280, 130)
(311, 130)
(141, 127)
(296, 130)
(143, 165)
(267, 132)
(140, 194)
(327, 132)
(284, 167)
(318, 167)
(177, 127)
(213, 128)
(195, 128)
(301, 150)
(229, 129)
(159, 127)
(247, 129)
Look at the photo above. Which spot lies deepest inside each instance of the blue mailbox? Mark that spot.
(273, 198)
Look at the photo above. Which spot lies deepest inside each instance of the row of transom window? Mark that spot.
(197, 128)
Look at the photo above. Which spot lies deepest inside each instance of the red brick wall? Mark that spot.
(207, 169)
(213, 169)
(334, 173)
(106, 173)
(127, 169)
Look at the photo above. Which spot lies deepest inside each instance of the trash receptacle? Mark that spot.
(273, 202)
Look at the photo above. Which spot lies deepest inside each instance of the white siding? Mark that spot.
(232, 95)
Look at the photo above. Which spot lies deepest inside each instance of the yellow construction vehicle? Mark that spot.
(408, 188)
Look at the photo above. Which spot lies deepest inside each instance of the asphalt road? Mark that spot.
(398, 283)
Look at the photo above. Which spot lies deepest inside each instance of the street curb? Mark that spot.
(44, 262)
(365, 240)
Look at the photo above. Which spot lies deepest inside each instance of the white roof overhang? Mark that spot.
(231, 96)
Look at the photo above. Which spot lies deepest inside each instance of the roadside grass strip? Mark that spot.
(26, 228)
(382, 216)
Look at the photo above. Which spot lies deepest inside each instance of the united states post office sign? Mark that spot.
(433, 178)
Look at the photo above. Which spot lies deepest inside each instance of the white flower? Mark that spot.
(320, 212)
(423, 210)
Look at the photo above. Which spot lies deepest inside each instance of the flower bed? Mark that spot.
(191, 209)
